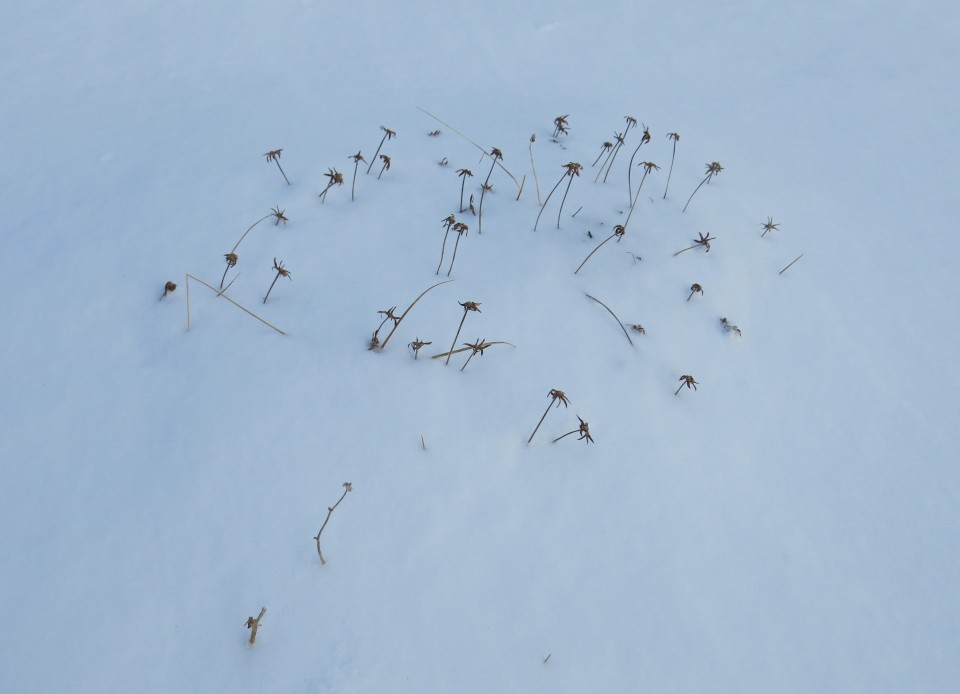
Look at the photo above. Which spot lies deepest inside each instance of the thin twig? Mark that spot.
(218, 293)
(464, 349)
(347, 488)
(533, 139)
(791, 263)
(619, 322)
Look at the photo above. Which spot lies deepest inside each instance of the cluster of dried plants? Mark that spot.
(561, 126)
(450, 223)
(375, 342)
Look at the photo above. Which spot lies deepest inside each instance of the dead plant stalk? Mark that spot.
(347, 488)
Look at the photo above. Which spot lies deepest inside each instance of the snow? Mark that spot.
(789, 526)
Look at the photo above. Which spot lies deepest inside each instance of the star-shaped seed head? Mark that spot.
(559, 397)
(278, 213)
(573, 168)
(713, 168)
(389, 132)
(471, 306)
(273, 154)
(769, 226)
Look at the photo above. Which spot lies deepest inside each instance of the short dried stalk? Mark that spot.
(495, 154)
(388, 134)
(274, 156)
(347, 488)
(467, 307)
(644, 139)
(281, 272)
(254, 624)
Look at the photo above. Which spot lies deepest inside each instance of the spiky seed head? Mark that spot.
(466, 173)
(389, 132)
(471, 306)
(278, 213)
(169, 287)
(649, 166)
(273, 154)
(559, 397)
(713, 168)
(386, 161)
(231, 259)
(573, 168)
(496, 153)
(673, 136)
(357, 158)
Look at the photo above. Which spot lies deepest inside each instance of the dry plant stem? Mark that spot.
(543, 207)
(613, 235)
(357, 158)
(575, 431)
(281, 171)
(403, 315)
(456, 245)
(791, 263)
(603, 149)
(512, 177)
(464, 349)
(643, 140)
(220, 293)
(705, 179)
(450, 353)
(673, 155)
(387, 134)
(483, 190)
(557, 397)
(616, 150)
(534, 168)
(610, 152)
(564, 199)
(619, 322)
(520, 192)
(347, 488)
(254, 624)
(463, 173)
(281, 272)
(237, 244)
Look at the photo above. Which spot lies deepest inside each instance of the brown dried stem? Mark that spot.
(404, 314)
(347, 488)
(388, 134)
(254, 624)
(220, 293)
(556, 398)
(496, 155)
(619, 322)
(281, 272)
(618, 232)
(274, 156)
(713, 169)
(675, 137)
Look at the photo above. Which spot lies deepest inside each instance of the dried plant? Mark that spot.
(790, 264)
(473, 210)
(443, 162)
(467, 307)
(637, 328)
(619, 322)
(416, 345)
(357, 158)
(167, 288)
(561, 127)
(279, 214)
(605, 147)
(675, 137)
(769, 226)
(462, 230)
(729, 327)
(619, 137)
(496, 155)
(648, 166)
(631, 123)
(475, 348)
(231, 259)
(618, 233)
(463, 174)
(644, 139)
(571, 169)
(434, 133)
(557, 397)
(274, 212)
(274, 156)
(702, 242)
(386, 165)
(448, 223)
(347, 488)
(220, 292)
(695, 289)
(713, 168)
(335, 178)
(403, 315)
(388, 134)
(254, 624)
(387, 315)
(281, 272)
(533, 138)
(583, 430)
(686, 380)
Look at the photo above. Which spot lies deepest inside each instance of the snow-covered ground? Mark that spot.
(790, 526)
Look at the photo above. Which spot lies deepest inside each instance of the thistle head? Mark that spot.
(559, 397)
(278, 213)
(769, 226)
(470, 306)
(273, 154)
(389, 132)
(281, 270)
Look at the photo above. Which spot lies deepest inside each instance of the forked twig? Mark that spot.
(347, 488)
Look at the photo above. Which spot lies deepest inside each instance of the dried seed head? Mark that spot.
(496, 153)
(673, 136)
(584, 431)
(688, 381)
(645, 138)
(559, 397)
(471, 306)
(464, 173)
(389, 132)
(281, 270)
(335, 177)
(649, 166)
(631, 122)
(713, 168)
(386, 161)
(769, 226)
(278, 213)
(573, 168)
(231, 259)
(273, 154)
(357, 158)
(169, 287)
(348, 486)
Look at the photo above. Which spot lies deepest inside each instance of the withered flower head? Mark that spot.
(649, 166)
(335, 177)
(389, 132)
(673, 136)
(573, 168)
(464, 172)
(769, 226)
(357, 158)
(273, 154)
(584, 431)
(559, 397)
(714, 168)
(281, 270)
(471, 306)
(231, 259)
(496, 153)
(278, 213)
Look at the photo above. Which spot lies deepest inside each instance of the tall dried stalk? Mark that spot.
(467, 307)
(388, 134)
(463, 174)
(274, 156)
(644, 139)
(462, 230)
(619, 322)
(713, 169)
(618, 231)
(557, 397)
(357, 158)
(648, 166)
(675, 137)
(281, 272)
(496, 154)
(533, 138)
(571, 169)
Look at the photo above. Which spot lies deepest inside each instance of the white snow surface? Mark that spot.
(790, 526)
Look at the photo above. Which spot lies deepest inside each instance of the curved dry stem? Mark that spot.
(237, 244)
(403, 315)
(592, 252)
(464, 349)
(542, 207)
(619, 322)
